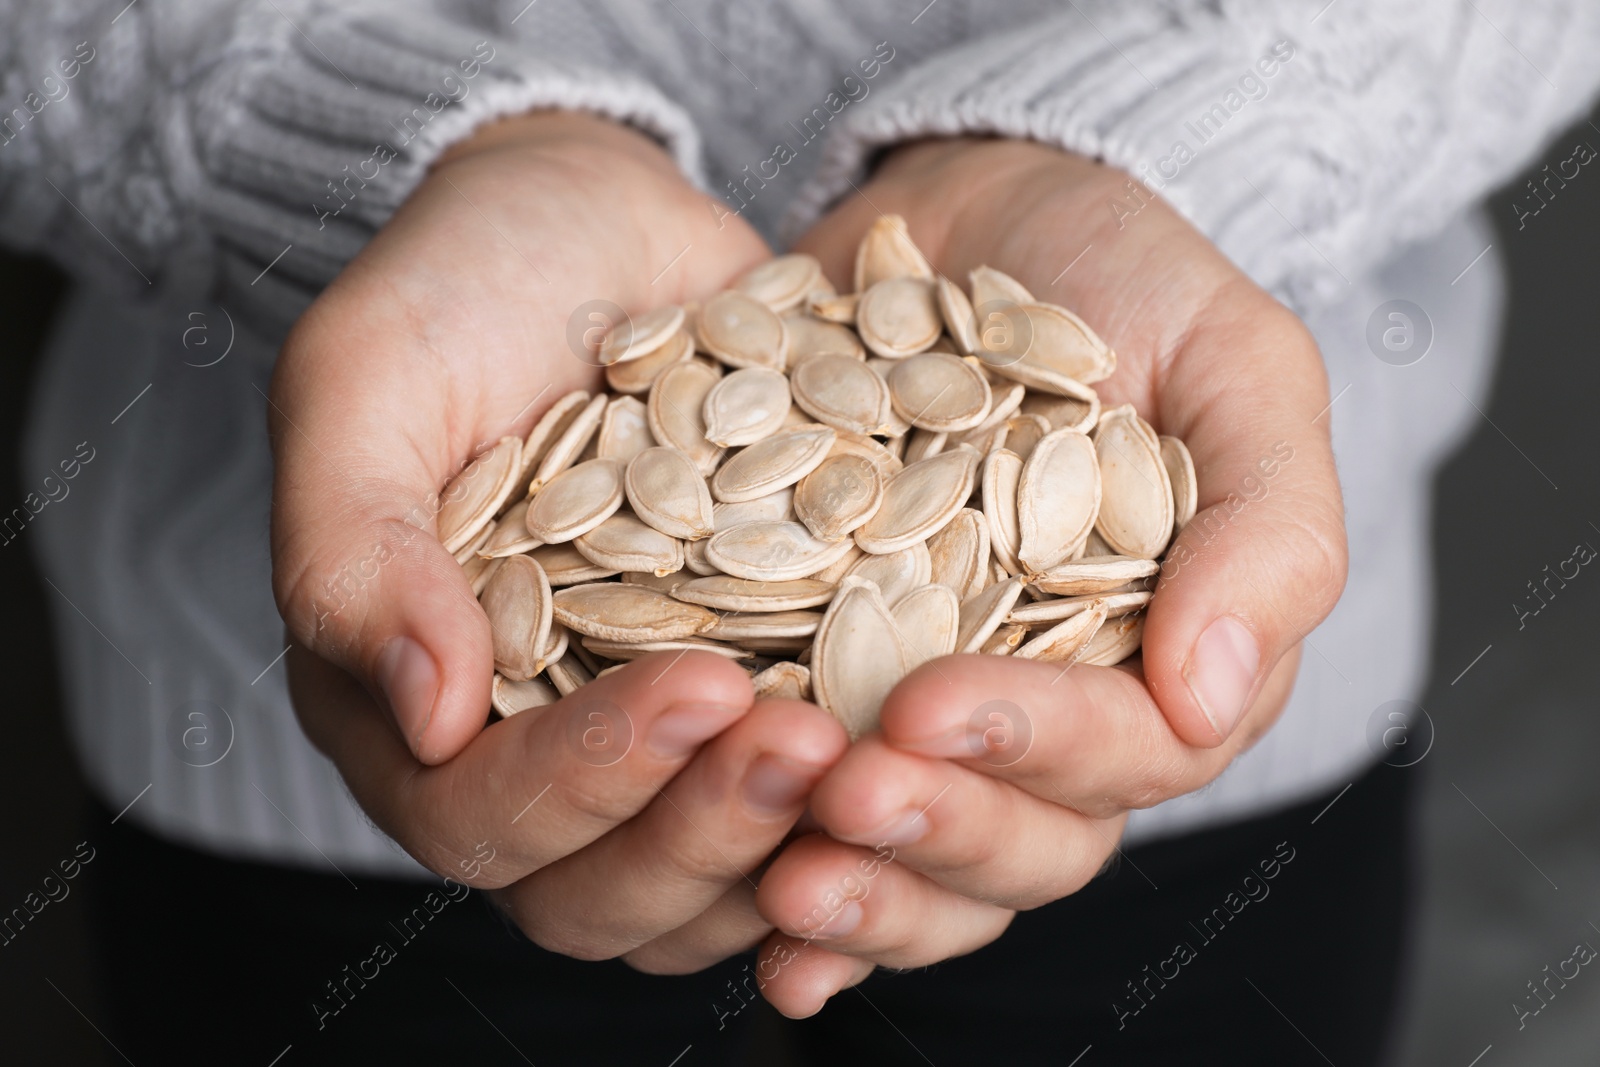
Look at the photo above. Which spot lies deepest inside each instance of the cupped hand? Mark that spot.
(447, 332)
(958, 835)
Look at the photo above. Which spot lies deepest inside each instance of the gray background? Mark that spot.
(1511, 801)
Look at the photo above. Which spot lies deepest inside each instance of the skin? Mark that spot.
(1204, 355)
(431, 341)
(955, 844)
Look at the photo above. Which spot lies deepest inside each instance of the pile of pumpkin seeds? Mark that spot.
(828, 489)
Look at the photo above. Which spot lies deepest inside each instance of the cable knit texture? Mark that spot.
(227, 158)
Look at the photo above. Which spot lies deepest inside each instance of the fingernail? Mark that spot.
(774, 785)
(410, 682)
(1222, 671)
(842, 924)
(907, 827)
(682, 728)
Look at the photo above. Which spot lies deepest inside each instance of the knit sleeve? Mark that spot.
(1310, 145)
(245, 151)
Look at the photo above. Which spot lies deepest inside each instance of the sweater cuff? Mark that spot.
(315, 125)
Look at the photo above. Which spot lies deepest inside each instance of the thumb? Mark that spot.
(1263, 561)
(362, 580)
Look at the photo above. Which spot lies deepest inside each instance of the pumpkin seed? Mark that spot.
(919, 501)
(576, 501)
(1002, 481)
(724, 592)
(510, 536)
(956, 310)
(772, 551)
(1004, 640)
(741, 331)
(1185, 486)
(739, 626)
(928, 619)
(638, 375)
(551, 425)
(676, 412)
(840, 309)
(775, 463)
(856, 657)
(784, 282)
(509, 696)
(1136, 504)
(983, 614)
(1066, 640)
(517, 601)
(899, 317)
(625, 543)
(840, 494)
(617, 611)
(959, 554)
(564, 450)
(568, 674)
(479, 570)
(1094, 574)
(472, 497)
(887, 252)
(746, 406)
(1114, 642)
(1065, 412)
(941, 393)
(783, 681)
(990, 286)
(811, 337)
(565, 565)
(1057, 500)
(896, 573)
(628, 651)
(841, 392)
(1056, 609)
(638, 336)
(667, 491)
(624, 430)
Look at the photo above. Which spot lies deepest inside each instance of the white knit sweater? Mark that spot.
(180, 158)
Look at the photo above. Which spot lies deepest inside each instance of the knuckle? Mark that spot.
(1155, 777)
(681, 861)
(1316, 551)
(594, 796)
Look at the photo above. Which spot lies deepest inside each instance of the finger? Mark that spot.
(799, 977)
(1090, 738)
(358, 571)
(1264, 560)
(863, 903)
(974, 834)
(731, 925)
(712, 825)
(535, 787)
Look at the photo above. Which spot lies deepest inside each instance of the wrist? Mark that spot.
(560, 132)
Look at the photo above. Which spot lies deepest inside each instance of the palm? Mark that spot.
(1198, 345)
(447, 332)
(1202, 354)
(459, 310)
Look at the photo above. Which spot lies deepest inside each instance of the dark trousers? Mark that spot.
(1272, 941)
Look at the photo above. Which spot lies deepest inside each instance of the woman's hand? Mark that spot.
(933, 836)
(447, 332)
